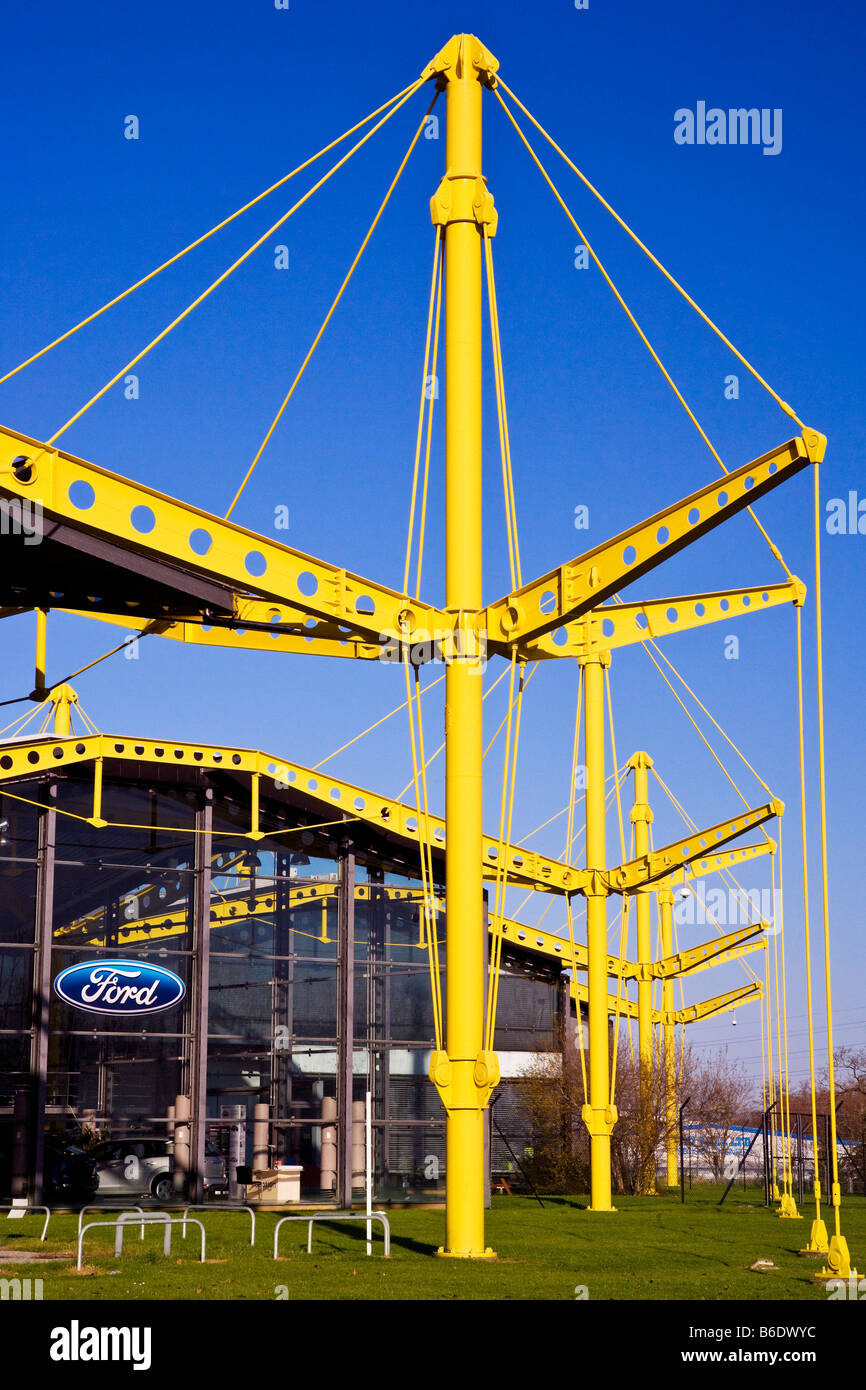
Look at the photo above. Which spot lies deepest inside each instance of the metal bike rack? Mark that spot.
(150, 1218)
(26, 1211)
(224, 1206)
(336, 1216)
(101, 1208)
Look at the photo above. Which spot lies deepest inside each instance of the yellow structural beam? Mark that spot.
(727, 859)
(258, 626)
(648, 867)
(719, 1005)
(723, 948)
(463, 1072)
(337, 798)
(621, 625)
(599, 1114)
(564, 594)
(180, 542)
(226, 911)
(665, 899)
(555, 947)
(641, 820)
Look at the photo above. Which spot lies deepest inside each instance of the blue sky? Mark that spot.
(230, 97)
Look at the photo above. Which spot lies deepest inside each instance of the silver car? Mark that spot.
(143, 1167)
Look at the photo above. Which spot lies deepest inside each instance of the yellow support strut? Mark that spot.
(641, 818)
(599, 1115)
(464, 1073)
(666, 908)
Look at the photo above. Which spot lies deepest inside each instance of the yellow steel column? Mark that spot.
(641, 819)
(465, 1074)
(599, 1115)
(41, 644)
(666, 908)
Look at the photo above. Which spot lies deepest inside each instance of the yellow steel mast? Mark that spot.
(465, 1074)
(599, 1115)
(665, 899)
(641, 818)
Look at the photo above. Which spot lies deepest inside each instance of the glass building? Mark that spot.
(289, 906)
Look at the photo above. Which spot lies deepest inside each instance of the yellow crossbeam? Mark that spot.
(141, 522)
(257, 626)
(554, 947)
(657, 863)
(223, 913)
(338, 799)
(564, 594)
(624, 624)
(700, 957)
(719, 1005)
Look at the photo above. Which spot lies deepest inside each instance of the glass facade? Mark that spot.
(305, 985)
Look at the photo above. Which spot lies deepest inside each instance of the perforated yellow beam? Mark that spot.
(625, 1007)
(157, 526)
(174, 921)
(663, 861)
(721, 1004)
(710, 953)
(259, 627)
(726, 859)
(564, 594)
(622, 625)
(338, 799)
(554, 947)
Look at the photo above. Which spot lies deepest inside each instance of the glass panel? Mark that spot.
(14, 1067)
(526, 1014)
(16, 984)
(130, 883)
(18, 846)
(113, 1085)
(411, 1165)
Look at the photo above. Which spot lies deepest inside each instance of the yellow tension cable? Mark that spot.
(205, 236)
(789, 411)
(226, 273)
(327, 319)
(635, 325)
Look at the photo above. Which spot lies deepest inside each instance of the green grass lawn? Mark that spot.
(651, 1248)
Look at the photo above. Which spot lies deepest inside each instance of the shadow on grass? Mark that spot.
(358, 1236)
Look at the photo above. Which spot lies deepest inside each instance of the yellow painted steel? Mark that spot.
(272, 597)
(665, 900)
(564, 594)
(623, 624)
(464, 1074)
(641, 819)
(41, 644)
(662, 861)
(720, 1004)
(599, 1114)
(731, 946)
(248, 564)
(339, 800)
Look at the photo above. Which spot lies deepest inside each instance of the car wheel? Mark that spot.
(162, 1188)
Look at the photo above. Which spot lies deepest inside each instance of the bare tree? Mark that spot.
(722, 1099)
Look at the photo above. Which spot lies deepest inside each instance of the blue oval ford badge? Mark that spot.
(119, 987)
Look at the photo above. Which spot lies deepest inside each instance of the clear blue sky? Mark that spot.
(229, 97)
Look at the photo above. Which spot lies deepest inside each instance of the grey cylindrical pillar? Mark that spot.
(181, 1144)
(20, 1143)
(329, 1144)
(261, 1123)
(359, 1153)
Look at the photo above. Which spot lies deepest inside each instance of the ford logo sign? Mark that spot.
(119, 987)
